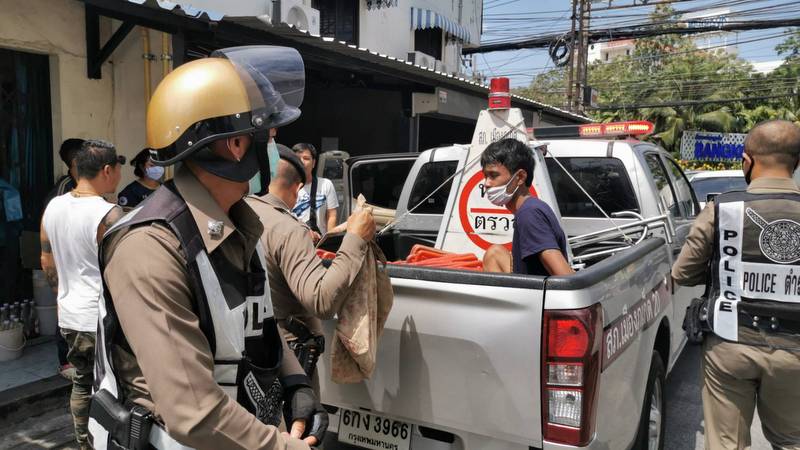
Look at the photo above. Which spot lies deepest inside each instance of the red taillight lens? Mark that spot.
(570, 372)
(567, 338)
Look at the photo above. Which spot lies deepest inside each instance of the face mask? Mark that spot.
(499, 195)
(749, 173)
(236, 171)
(154, 172)
(257, 182)
(255, 185)
(274, 156)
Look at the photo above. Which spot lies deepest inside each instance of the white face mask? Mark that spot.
(154, 172)
(499, 195)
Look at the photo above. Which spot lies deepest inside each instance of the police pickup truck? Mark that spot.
(473, 360)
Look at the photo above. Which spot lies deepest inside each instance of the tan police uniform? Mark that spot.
(301, 286)
(739, 377)
(147, 277)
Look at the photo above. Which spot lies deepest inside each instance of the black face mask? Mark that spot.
(236, 171)
(749, 173)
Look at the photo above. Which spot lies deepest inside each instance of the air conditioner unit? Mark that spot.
(300, 14)
(422, 60)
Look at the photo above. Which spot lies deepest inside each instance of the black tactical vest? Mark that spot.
(233, 308)
(755, 282)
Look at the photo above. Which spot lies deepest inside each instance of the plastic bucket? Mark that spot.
(48, 320)
(42, 292)
(11, 344)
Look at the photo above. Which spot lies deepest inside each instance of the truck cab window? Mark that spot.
(380, 181)
(431, 176)
(683, 189)
(666, 191)
(605, 179)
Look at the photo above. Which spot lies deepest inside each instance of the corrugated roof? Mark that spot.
(399, 65)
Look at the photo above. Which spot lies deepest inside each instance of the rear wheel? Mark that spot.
(652, 423)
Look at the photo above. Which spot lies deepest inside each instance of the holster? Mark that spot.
(128, 426)
(695, 323)
(307, 346)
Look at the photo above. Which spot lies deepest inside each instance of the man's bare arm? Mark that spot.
(108, 221)
(555, 263)
(47, 261)
(331, 219)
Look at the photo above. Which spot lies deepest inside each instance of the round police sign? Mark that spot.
(484, 223)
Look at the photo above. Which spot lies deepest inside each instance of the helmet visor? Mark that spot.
(274, 78)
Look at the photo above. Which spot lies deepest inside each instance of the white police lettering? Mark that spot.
(775, 282)
(725, 311)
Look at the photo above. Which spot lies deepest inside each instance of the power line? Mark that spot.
(612, 34)
(686, 103)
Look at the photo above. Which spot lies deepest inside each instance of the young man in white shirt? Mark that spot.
(72, 226)
(324, 194)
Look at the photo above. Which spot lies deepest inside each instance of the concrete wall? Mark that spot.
(388, 30)
(111, 108)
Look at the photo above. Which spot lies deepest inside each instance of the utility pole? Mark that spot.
(582, 54)
(572, 56)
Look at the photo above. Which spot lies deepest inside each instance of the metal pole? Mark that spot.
(571, 70)
(584, 75)
(576, 95)
(147, 57)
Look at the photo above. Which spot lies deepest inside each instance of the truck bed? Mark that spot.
(460, 356)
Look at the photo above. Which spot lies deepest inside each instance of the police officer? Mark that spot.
(187, 332)
(752, 241)
(303, 290)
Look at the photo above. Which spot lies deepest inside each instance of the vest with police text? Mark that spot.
(233, 309)
(755, 282)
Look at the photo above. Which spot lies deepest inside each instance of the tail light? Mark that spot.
(570, 373)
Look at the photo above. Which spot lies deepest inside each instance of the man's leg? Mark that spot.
(497, 259)
(81, 355)
(779, 398)
(65, 369)
(730, 380)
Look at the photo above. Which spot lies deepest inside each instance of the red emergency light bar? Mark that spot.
(499, 93)
(595, 130)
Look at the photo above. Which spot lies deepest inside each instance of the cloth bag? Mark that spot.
(361, 320)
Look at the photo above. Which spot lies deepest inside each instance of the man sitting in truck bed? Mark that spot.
(539, 245)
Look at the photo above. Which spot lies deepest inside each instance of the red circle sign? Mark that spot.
(464, 211)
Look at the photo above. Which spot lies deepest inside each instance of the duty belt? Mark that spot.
(769, 324)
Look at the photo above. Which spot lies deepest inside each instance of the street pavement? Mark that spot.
(53, 429)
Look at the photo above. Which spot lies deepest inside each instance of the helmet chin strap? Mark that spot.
(237, 171)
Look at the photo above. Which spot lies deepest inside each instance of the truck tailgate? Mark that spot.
(458, 353)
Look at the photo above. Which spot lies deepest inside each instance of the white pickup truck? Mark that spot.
(473, 360)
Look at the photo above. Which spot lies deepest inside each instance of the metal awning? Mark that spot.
(422, 19)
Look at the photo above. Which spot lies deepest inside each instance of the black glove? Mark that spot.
(695, 322)
(318, 424)
(302, 404)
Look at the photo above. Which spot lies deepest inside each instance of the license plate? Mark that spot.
(368, 430)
